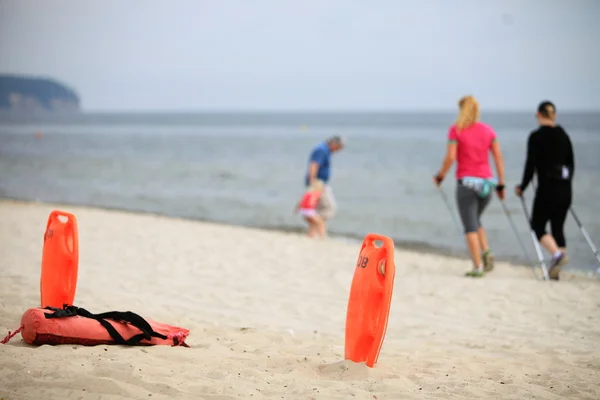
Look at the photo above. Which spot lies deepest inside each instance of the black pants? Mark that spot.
(551, 203)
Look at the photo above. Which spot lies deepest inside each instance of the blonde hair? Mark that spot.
(317, 185)
(468, 112)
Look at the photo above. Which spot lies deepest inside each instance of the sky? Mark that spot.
(200, 55)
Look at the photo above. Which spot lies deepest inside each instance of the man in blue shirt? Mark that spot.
(319, 168)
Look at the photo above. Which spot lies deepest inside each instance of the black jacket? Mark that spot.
(550, 156)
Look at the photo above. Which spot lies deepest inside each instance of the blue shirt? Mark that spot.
(321, 154)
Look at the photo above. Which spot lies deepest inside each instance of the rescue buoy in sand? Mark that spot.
(370, 300)
(60, 260)
(74, 325)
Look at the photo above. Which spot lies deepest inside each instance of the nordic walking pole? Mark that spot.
(536, 244)
(516, 232)
(456, 224)
(585, 234)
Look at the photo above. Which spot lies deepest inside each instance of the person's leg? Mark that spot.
(331, 203)
(326, 206)
(312, 228)
(320, 226)
(559, 216)
(483, 242)
(468, 209)
(557, 224)
(473, 243)
(548, 242)
(486, 254)
(539, 218)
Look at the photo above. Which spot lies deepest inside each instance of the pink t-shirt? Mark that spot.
(472, 151)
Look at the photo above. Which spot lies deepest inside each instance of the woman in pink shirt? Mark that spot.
(469, 143)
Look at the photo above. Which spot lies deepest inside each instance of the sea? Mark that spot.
(248, 168)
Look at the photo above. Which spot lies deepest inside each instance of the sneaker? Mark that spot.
(488, 260)
(557, 263)
(475, 273)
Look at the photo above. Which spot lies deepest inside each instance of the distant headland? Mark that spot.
(29, 93)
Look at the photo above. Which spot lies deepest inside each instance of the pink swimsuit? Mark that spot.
(308, 204)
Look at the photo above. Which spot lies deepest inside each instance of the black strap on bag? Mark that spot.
(118, 316)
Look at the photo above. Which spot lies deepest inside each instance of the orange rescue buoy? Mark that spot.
(74, 325)
(370, 300)
(60, 260)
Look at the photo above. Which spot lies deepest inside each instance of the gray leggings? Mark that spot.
(470, 207)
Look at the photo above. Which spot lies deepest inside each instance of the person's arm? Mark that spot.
(498, 160)
(313, 170)
(449, 159)
(529, 163)
(317, 159)
(450, 156)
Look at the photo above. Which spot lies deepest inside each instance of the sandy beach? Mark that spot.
(266, 311)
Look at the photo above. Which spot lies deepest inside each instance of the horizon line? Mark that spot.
(318, 111)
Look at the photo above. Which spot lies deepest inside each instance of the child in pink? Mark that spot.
(307, 207)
